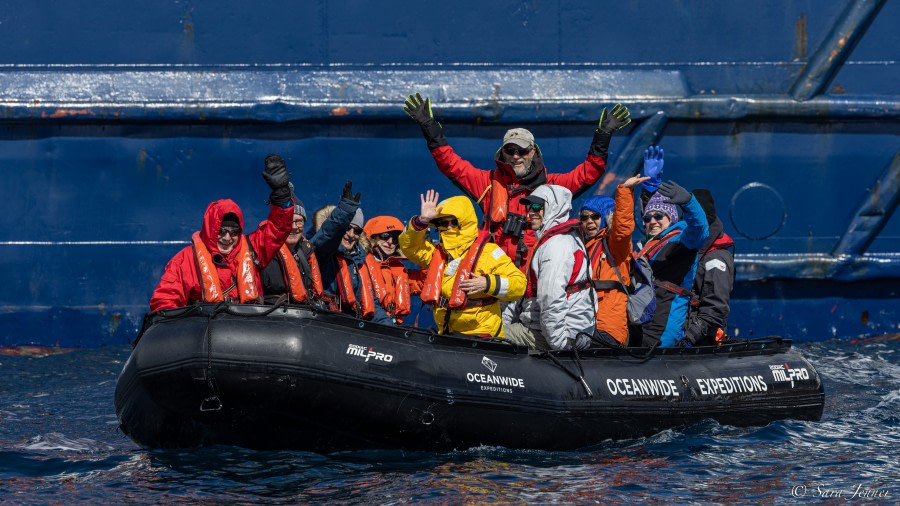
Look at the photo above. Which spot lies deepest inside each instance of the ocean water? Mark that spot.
(59, 443)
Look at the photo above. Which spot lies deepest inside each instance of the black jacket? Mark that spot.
(713, 284)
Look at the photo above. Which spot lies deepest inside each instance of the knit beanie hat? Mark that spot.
(599, 204)
(231, 220)
(298, 206)
(358, 219)
(658, 203)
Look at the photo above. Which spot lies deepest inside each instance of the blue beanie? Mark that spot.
(599, 204)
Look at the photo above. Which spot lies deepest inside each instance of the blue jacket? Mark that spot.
(676, 263)
(327, 244)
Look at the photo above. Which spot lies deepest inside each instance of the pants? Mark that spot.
(524, 336)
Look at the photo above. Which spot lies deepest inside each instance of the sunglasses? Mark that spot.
(445, 223)
(356, 230)
(654, 216)
(234, 232)
(387, 236)
(512, 150)
(534, 207)
(590, 216)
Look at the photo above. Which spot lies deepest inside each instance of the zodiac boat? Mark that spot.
(293, 377)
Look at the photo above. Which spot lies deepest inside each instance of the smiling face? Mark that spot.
(387, 242)
(351, 237)
(518, 158)
(296, 230)
(534, 213)
(228, 238)
(655, 222)
(590, 223)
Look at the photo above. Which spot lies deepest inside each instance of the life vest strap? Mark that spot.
(579, 286)
(679, 290)
(487, 301)
(609, 285)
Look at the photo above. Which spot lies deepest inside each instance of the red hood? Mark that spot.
(212, 222)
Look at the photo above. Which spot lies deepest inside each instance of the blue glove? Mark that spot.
(653, 167)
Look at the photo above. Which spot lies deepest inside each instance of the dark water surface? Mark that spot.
(59, 443)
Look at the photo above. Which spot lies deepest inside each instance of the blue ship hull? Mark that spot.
(121, 124)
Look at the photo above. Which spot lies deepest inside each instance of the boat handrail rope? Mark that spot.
(577, 377)
(281, 301)
(212, 402)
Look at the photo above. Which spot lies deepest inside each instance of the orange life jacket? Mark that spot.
(572, 286)
(294, 278)
(498, 205)
(431, 291)
(393, 295)
(246, 280)
(365, 307)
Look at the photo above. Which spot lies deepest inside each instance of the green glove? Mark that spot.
(616, 119)
(417, 109)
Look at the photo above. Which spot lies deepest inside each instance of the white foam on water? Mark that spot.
(57, 441)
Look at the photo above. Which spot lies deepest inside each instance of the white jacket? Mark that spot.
(559, 317)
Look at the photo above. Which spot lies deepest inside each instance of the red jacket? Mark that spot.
(476, 184)
(180, 285)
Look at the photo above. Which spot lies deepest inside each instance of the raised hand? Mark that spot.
(276, 173)
(429, 209)
(418, 109)
(653, 162)
(675, 194)
(634, 181)
(347, 193)
(615, 119)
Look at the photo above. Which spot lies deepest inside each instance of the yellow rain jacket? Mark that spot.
(506, 280)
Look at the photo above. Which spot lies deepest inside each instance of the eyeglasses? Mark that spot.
(654, 216)
(299, 222)
(512, 150)
(356, 230)
(590, 216)
(234, 232)
(534, 207)
(387, 236)
(450, 222)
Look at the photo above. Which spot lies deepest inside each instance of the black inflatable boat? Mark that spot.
(295, 378)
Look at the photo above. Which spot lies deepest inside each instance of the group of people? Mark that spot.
(531, 273)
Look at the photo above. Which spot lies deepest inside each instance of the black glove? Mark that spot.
(278, 179)
(420, 111)
(348, 192)
(686, 341)
(609, 122)
(417, 109)
(616, 119)
(676, 194)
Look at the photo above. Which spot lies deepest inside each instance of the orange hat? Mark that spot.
(381, 224)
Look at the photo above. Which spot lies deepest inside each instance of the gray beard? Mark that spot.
(524, 171)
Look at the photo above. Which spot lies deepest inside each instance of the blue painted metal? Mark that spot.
(847, 32)
(874, 213)
(120, 122)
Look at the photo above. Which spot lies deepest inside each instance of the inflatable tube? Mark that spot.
(295, 378)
